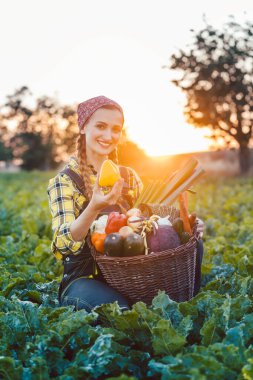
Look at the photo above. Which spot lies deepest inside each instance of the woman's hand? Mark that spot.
(99, 200)
(200, 227)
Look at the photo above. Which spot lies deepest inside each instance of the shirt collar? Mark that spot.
(73, 164)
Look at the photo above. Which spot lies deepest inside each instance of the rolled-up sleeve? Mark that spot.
(61, 203)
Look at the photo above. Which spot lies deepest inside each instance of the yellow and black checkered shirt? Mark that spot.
(66, 203)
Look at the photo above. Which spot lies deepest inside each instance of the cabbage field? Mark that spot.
(209, 337)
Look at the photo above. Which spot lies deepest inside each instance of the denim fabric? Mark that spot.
(76, 266)
(86, 293)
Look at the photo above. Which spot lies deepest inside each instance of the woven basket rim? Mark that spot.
(178, 251)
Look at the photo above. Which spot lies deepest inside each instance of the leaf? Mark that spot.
(166, 340)
(112, 315)
(185, 326)
(247, 370)
(210, 332)
(168, 309)
(102, 358)
(38, 368)
(10, 369)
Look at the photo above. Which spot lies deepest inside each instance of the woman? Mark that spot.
(74, 208)
(76, 201)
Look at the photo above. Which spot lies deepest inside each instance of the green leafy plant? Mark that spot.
(209, 337)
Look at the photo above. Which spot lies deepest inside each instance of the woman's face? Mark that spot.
(103, 131)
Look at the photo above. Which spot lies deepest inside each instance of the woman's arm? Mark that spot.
(69, 232)
(79, 227)
(62, 207)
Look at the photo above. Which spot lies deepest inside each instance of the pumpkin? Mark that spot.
(109, 174)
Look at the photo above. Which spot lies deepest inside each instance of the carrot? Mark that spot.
(185, 195)
(184, 213)
(192, 219)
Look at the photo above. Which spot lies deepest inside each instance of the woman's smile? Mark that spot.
(104, 144)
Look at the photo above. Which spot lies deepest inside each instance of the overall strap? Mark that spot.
(75, 178)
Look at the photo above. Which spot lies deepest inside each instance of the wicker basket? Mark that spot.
(140, 277)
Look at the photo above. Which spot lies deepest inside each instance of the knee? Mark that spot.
(80, 304)
(77, 303)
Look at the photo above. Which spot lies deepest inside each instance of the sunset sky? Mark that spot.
(78, 49)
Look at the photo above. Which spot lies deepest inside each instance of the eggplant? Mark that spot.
(133, 245)
(165, 237)
(113, 245)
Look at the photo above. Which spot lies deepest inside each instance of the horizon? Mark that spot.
(215, 150)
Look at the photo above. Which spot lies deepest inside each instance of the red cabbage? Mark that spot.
(165, 237)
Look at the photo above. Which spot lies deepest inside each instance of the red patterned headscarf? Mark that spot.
(87, 108)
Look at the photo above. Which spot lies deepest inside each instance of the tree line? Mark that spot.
(41, 133)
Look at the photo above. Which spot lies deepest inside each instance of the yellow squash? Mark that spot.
(109, 174)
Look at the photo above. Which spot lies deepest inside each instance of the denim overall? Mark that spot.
(83, 265)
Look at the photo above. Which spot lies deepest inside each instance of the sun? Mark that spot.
(185, 139)
(178, 139)
(157, 124)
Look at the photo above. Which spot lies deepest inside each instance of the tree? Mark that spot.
(5, 152)
(216, 76)
(41, 135)
(58, 127)
(31, 149)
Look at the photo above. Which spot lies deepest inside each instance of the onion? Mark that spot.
(133, 212)
(125, 231)
(99, 224)
(134, 222)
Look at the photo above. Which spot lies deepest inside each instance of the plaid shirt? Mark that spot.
(66, 203)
